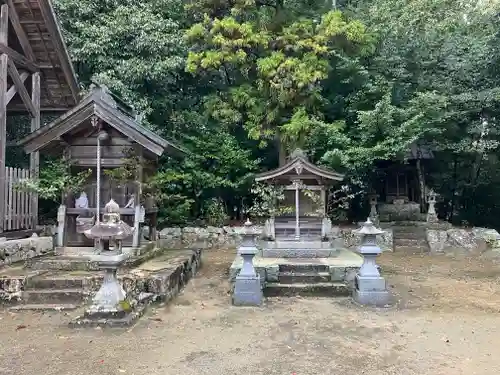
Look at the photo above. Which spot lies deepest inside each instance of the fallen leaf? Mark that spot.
(21, 326)
(157, 319)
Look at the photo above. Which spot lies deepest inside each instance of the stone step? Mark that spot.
(408, 229)
(303, 268)
(44, 307)
(409, 235)
(412, 249)
(53, 296)
(58, 282)
(316, 290)
(62, 263)
(409, 242)
(303, 278)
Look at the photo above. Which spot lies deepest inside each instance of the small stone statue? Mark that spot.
(131, 201)
(82, 201)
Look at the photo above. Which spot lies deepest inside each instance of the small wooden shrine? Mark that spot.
(400, 186)
(297, 176)
(74, 135)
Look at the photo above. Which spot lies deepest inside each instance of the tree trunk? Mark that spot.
(421, 182)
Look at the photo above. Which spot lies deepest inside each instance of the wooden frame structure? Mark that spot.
(33, 53)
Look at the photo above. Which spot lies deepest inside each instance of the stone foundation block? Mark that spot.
(370, 283)
(13, 251)
(272, 273)
(247, 291)
(372, 298)
(337, 273)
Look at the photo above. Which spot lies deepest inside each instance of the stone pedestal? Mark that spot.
(370, 288)
(109, 307)
(247, 286)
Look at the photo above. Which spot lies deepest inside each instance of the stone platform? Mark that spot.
(80, 259)
(161, 278)
(328, 276)
(297, 249)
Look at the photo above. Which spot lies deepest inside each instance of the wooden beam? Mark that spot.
(21, 35)
(18, 58)
(4, 30)
(54, 30)
(3, 135)
(35, 125)
(21, 89)
(20, 108)
(4, 24)
(13, 90)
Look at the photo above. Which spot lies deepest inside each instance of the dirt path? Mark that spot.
(446, 322)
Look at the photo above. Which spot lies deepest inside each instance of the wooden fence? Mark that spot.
(19, 213)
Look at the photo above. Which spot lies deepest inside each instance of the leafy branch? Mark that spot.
(55, 181)
(266, 201)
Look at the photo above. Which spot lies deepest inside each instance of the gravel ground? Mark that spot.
(446, 321)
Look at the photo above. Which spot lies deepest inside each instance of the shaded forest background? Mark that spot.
(351, 81)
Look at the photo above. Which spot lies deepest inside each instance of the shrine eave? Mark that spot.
(99, 103)
(299, 166)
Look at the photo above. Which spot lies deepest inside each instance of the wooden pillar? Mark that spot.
(137, 200)
(297, 210)
(35, 156)
(323, 199)
(61, 225)
(4, 59)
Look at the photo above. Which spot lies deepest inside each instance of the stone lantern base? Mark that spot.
(121, 316)
(247, 291)
(371, 290)
(109, 307)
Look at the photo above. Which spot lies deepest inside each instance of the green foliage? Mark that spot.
(166, 187)
(127, 171)
(55, 180)
(215, 212)
(267, 201)
(353, 86)
(270, 69)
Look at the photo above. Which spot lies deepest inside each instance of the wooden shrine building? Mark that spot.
(74, 136)
(400, 186)
(36, 76)
(296, 176)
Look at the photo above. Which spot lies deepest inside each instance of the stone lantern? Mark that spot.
(247, 288)
(370, 287)
(431, 212)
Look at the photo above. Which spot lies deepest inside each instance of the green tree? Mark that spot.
(269, 61)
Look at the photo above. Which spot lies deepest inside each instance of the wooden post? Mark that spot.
(4, 59)
(297, 211)
(323, 200)
(61, 224)
(137, 201)
(35, 156)
(153, 223)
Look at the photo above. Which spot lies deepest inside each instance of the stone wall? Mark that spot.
(13, 251)
(163, 283)
(212, 237)
(442, 241)
(351, 239)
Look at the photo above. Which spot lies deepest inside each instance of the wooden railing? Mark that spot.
(19, 213)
